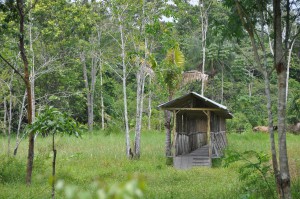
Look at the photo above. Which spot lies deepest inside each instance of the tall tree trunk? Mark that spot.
(89, 89)
(269, 109)
(168, 129)
(101, 98)
(92, 93)
(5, 116)
(290, 50)
(139, 111)
(263, 68)
(168, 132)
(149, 106)
(281, 69)
(101, 81)
(140, 93)
(138, 114)
(250, 85)
(222, 87)
(204, 27)
(127, 137)
(21, 11)
(10, 113)
(53, 167)
(32, 72)
(18, 140)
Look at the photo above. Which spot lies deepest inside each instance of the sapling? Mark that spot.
(51, 122)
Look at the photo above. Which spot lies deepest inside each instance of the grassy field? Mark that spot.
(100, 157)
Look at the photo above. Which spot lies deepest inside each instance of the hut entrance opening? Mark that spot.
(191, 131)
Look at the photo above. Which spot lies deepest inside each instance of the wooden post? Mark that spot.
(209, 137)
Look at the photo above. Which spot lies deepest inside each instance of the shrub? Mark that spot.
(11, 170)
(113, 128)
(255, 172)
(239, 123)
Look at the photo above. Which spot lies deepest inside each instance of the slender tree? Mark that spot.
(171, 69)
(204, 10)
(22, 14)
(52, 122)
(281, 68)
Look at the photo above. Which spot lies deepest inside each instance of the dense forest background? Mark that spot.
(88, 59)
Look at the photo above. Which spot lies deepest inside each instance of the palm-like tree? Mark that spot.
(172, 68)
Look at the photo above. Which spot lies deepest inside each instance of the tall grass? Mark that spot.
(101, 156)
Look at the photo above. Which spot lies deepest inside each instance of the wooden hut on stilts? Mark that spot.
(199, 130)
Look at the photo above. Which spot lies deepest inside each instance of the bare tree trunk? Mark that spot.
(18, 140)
(168, 132)
(32, 72)
(89, 89)
(139, 112)
(290, 50)
(140, 91)
(269, 109)
(222, 87)
(101, 98)
(21, 114)
(124, 87)
(10, 113)
(204, 28)
(149, 106)
(93, 84)
(99, 33)
(168, 144)
(250, 86)
(5, 116)
(281, 69)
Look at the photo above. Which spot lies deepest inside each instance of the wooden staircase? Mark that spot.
(196, 158)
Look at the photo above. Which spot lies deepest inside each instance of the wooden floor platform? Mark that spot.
(199, 157)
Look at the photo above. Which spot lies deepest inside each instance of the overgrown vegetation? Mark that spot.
(255, 173)
(99, 158)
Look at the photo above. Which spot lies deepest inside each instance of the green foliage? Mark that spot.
(294, 102)
(12, 170)
(113, 128)
(133, 189)
(171, 68)
(52, 121)
(239, 123)
(254, 171)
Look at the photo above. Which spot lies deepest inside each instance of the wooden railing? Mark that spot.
(218, 143)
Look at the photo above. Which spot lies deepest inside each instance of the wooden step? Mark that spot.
(197, 158)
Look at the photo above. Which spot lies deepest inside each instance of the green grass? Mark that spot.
(102, 157)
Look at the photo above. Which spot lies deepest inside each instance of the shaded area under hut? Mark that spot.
(199, 130)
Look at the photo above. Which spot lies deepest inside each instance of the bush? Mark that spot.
(113, 128)
(239, 123)
(255, 173)
(11, 170)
